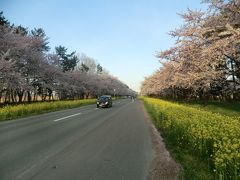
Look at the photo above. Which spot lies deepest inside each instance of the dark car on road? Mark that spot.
(104, 101)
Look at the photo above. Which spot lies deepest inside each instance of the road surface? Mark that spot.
(83, 143)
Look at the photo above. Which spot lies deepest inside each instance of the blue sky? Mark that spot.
(122, 35)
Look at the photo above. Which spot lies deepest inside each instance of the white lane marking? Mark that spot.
(66, 117)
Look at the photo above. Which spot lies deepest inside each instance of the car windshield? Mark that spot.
(103, 98)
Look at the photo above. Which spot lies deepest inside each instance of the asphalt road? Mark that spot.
(83, 143)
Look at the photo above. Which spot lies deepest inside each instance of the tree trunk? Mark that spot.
(0, 97)
(6, 96)
(29, 97)
(49, 94)
(20, 95)
(34, 95)
(12, 96)
(205, 96)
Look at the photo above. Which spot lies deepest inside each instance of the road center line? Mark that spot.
(66, 117)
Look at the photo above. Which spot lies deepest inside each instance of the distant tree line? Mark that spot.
(29, 72)
(204, 63)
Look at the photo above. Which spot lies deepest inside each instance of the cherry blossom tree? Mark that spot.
(205, 54)
(28, 72)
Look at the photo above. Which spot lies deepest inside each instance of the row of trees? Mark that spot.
(205, 60)
(29, 72)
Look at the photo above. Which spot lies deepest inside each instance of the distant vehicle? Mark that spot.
(104, 101)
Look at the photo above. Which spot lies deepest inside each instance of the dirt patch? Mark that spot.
(163, 167)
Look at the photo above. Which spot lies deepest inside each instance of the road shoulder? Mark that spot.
(162, 166)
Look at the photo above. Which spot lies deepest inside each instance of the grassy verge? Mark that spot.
(206, 144)
(13, 112)
(225, 108)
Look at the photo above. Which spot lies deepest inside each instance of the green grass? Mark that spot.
(193, 167)
(225, 108)
(23, 110)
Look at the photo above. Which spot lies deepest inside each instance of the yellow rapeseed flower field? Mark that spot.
(213, 136)
(12, 112)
